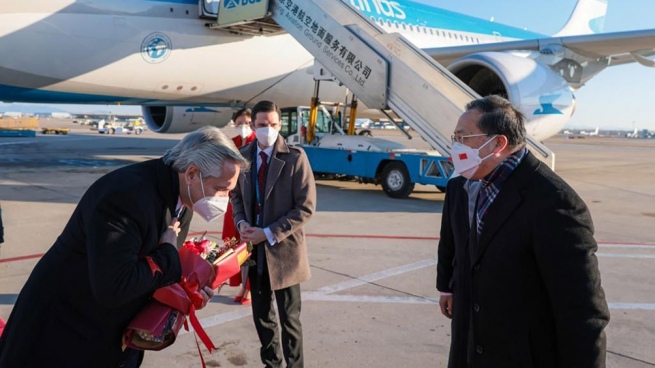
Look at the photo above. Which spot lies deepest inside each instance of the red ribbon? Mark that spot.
(192, 290)
(154, 268)
(193, 293)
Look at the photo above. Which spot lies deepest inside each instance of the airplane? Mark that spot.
(162, 55)
(634, 134)
(591, 134)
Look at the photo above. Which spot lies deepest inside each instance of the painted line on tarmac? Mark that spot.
(15, 143)
(313, 296)
(621, 255)
(632, 306)
(21, 258)
(400, 237)
(627, 245)
(376, 276)
(38, 141)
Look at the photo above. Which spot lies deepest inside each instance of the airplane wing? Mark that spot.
(620, 47)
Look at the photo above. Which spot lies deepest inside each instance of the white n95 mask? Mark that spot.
(244, 131)
(266, 136)
(466, 159)
(209, 208)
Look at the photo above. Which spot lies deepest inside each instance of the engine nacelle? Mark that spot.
(183, 119)
(541, 94)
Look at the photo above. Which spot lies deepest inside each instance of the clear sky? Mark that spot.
(619, 96)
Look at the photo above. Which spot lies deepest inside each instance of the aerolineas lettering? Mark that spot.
(382, 7)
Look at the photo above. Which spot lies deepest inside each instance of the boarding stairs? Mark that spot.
(384, 70)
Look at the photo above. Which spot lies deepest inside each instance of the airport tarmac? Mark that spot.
(372, 300)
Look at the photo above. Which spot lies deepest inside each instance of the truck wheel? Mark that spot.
(365, 133)
(137, 131)
(112, 130)
(395, 180)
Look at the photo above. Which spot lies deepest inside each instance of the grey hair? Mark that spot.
(207, 148)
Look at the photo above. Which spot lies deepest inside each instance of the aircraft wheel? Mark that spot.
(365, 133)
(395, 180)
(112, 131)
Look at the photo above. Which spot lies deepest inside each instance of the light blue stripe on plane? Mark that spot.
(190, 2)
(11, 93)
(418, 14)
(28, 95)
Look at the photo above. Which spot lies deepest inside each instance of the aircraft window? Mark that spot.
(425, 30)
(450, 35)
(395, 24)
(411, 27)
(404, 26)
(381, 21)
(431, 31)
(388, 23)
(467, 38)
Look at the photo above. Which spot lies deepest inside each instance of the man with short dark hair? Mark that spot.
(272, 203)
(517, 270)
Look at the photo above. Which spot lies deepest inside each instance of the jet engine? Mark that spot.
(541, 94)
(183, 119)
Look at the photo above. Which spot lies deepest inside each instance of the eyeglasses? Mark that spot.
(458, 138)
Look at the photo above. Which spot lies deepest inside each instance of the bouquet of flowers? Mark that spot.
(204, 263)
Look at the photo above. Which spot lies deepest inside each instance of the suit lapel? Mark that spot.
(275, 166)
(502, 207)
(509, 198)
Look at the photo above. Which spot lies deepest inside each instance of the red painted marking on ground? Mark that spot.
(21, 258)
(388, 237)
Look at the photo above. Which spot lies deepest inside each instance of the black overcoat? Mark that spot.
(531, 285)
(81, 295)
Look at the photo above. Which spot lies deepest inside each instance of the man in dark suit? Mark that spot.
(81, 295)
(272, 203)
(517, 270)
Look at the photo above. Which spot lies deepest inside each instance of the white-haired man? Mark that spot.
(85, 290)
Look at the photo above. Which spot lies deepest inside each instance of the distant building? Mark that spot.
(61, 115)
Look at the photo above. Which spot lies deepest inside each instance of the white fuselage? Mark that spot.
(151, 52)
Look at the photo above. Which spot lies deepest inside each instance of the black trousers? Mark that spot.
(131, 358)
(288, 306)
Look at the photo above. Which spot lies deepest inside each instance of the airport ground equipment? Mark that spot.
(365, 159)
(18, 127)
(118, 128)
(383, 70)
(63, 131)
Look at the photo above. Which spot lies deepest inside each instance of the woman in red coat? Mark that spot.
(242, 121)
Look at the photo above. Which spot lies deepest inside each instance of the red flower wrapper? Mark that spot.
(203, 264)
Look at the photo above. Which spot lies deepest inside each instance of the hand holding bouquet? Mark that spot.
(204, 263)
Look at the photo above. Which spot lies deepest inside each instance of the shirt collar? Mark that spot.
(268, 150)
